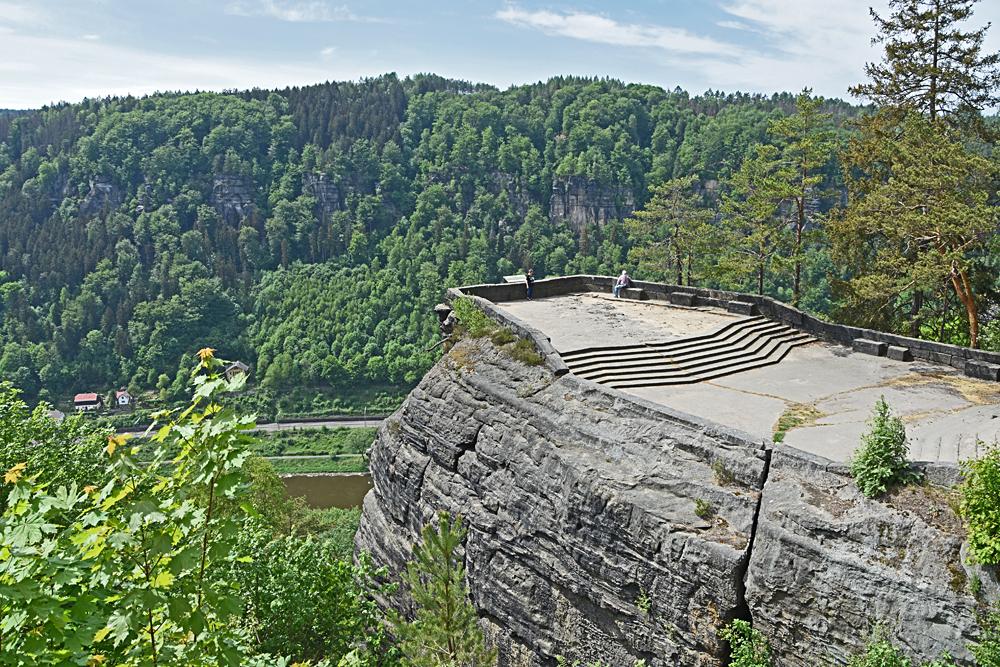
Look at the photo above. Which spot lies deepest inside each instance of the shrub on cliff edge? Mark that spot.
(881, 460)
(880, 652)
(980, 506)
(747, 646)
(473, 320)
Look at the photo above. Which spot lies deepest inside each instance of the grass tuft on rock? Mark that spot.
(795, 415)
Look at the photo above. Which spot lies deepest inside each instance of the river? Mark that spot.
(330, 489)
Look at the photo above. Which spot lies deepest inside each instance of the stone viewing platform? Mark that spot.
(745, 371)
(625, 495)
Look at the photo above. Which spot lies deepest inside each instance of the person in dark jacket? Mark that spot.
(529, 282)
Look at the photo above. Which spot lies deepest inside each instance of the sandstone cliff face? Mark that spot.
(579, 202)
(578, 503)
(827, 563)
(582, 501)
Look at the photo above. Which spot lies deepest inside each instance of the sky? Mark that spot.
(66, 50)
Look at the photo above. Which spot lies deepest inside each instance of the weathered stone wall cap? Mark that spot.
(872, 347)
(741, 307)
(635, 293)
(982, 370)
(682, 298)
(724, 433)
(899, 353)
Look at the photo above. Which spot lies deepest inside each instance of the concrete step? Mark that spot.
(606, 350)
(734, 339)
(709, 362)
(755, 349)
(775, 357)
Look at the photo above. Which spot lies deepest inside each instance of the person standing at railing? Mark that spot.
(529, 282)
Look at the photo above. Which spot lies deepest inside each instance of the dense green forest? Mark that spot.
(321, 224)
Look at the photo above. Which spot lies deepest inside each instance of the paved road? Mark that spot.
(289, 457)
(346, 422)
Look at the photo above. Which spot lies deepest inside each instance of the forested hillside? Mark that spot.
(321, 224)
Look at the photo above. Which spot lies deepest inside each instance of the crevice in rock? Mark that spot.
(742, 610)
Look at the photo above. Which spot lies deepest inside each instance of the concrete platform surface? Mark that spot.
(579, 321)
(948, 415)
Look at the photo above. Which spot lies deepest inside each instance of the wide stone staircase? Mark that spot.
(741, 345)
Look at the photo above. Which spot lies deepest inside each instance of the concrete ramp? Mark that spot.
(741, 345)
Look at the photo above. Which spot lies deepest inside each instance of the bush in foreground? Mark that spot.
(157, 563)
(980, 506)
(747, 646)
(881, 460)
(880, 652)
(444, 629)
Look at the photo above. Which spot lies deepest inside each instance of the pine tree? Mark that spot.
(444, 631)
(930, 65)
(808, 146)
(670, 229)
(754, 231)
(919, 229)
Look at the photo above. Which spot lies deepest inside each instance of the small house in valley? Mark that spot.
(124, 400)
(236, 368)
(86, 402)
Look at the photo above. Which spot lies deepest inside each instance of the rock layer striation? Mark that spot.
(604, 528)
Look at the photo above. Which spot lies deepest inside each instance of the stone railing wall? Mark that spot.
(941, 353)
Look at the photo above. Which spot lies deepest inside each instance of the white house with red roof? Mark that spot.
(123, 399)
(86, 402)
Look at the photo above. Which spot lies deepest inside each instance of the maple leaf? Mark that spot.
(115, 441)
(14, 474)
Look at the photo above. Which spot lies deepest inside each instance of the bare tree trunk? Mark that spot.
(918, 303)
(680, 265)
(963, 289)
(796, 286)
(760, 279)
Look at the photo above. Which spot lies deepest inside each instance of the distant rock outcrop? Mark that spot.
(102, 198)
(605, 528)
(321, 187)
(232, 197)
(579, 202)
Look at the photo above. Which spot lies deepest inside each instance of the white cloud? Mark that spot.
(91, 37)
(603, 30)
(734, 25)
(328, 52)
(294, 11)
(15, 13)
(42, 70)
(797, 43)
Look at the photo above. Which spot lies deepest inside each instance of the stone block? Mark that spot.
(899, 353)
(682, 298)
(872, 347)
(982, 370)
(741, 307)
(635, 293)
